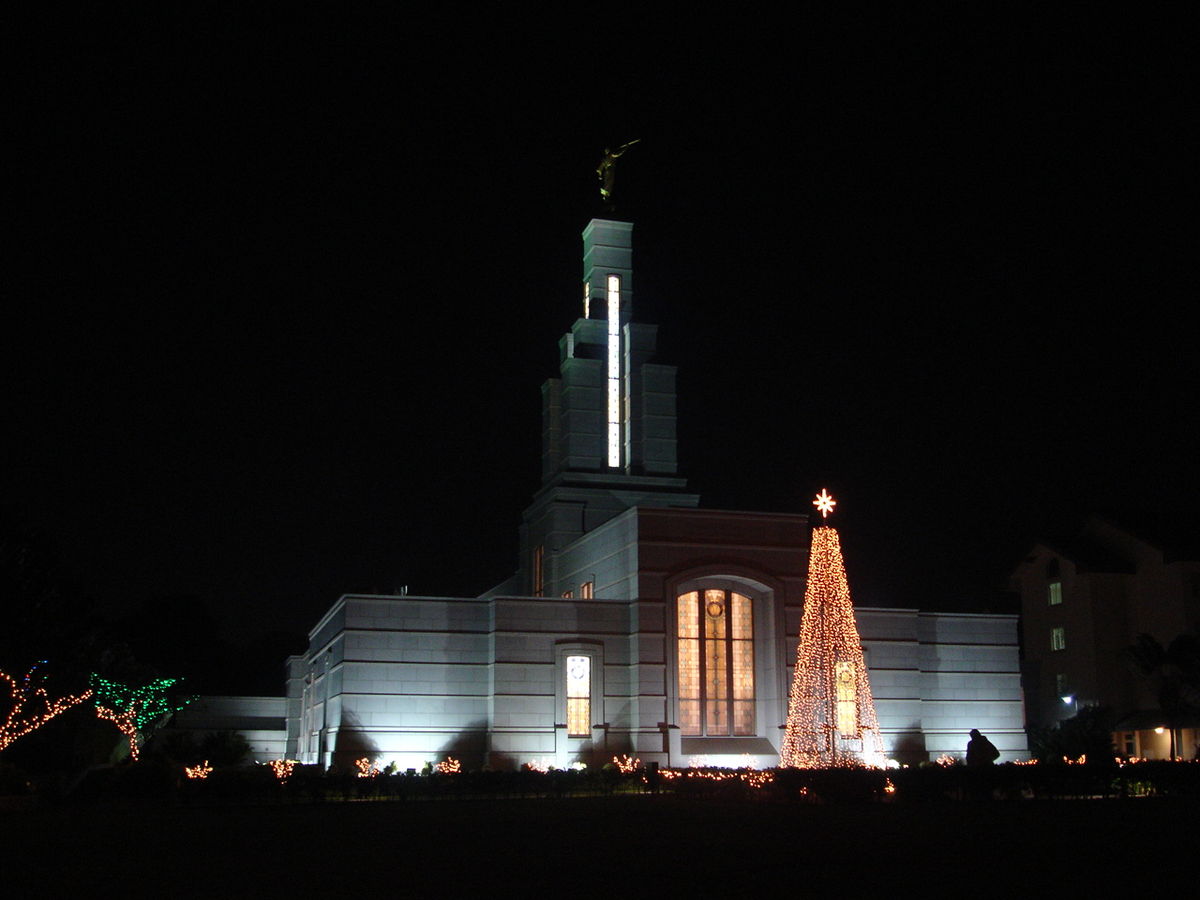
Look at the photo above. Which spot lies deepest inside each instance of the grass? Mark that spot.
(599, 847)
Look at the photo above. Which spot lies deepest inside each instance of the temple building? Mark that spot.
(638, 621)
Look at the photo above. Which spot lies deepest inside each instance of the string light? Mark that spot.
(831, 715)
(21, 720)
(283, 768)
(755, 778)
(758, 778)
(126, 723)
(627, 763)
(448, 766)
(200, 771)
(365, 769)
(946, 760)
(537, 764)
(132, 708)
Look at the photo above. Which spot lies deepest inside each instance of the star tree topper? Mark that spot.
(824, 503)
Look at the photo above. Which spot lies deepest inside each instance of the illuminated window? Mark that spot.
(1058, 639)
(1055, 593)
(579, 687)
(568, 595)
(847, 698)
(587, 590)
(587, 300)
(539, 571)
(579, 696)
(614, 370)
(715, 644)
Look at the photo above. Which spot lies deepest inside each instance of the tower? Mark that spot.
(608, 420)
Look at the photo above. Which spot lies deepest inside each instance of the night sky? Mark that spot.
(284, 296)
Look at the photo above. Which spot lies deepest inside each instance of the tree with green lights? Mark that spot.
(135, 710)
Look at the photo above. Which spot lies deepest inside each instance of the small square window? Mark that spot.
(1058, 639)
(1055, 593)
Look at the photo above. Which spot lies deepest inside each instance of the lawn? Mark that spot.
(620, 846)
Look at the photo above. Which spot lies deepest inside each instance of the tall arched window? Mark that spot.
(715, 644)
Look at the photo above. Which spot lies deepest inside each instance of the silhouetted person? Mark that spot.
(980, 751)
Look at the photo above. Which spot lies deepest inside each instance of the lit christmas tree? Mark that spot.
(831, 717)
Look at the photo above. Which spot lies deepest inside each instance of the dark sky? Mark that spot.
(284, 295)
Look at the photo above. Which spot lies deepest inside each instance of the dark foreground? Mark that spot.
(601, 847)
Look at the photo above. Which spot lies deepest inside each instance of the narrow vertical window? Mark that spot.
(614, 371)
(587, 300)
(587, 590)
(847, 698)
(688, 634)
(579, 696)
(539, 572)
(1055, 593)
(1058, 639)
(742, 653)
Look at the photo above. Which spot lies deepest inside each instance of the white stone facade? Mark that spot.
(410, 680)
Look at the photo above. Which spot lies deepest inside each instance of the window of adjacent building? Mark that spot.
(587, 590)
(539, 571)
(715, 644)
(579, 696)
(1060, 684)
(1055, 593)
(1058, 639)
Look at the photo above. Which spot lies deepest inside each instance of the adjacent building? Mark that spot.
(1083, 603)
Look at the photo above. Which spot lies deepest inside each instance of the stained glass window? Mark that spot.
(847, 698)
(715, 653)
(579, 696)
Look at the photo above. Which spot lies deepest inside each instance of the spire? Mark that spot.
(831, 716)
(608, 419)
(611, 411)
